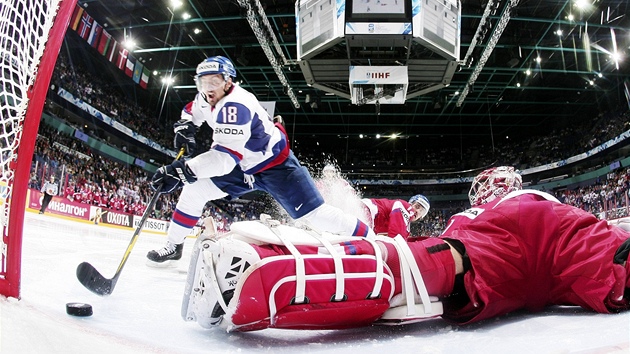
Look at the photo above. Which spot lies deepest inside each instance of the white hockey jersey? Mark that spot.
(243, 133)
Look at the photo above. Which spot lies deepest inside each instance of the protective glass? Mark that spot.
(209, 82)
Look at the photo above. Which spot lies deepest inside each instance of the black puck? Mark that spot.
(78, 309)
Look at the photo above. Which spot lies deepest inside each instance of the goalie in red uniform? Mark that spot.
(513, 249)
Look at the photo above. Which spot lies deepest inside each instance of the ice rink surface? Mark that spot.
(142, 314)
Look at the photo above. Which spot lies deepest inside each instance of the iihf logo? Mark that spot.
(377, 75)
(371, 28)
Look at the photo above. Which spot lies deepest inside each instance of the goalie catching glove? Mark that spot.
(170, 178)
(185, 131)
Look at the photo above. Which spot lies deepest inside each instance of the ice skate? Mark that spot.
(214, 272)
(166, 255)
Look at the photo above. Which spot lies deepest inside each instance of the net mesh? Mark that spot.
(24, 29)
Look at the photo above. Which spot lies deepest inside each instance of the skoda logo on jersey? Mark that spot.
(228, 131)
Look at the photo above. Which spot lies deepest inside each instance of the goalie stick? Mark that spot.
(92, 279)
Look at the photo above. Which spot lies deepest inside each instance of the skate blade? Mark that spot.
(165, 264)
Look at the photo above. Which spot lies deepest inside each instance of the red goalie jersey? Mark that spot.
(528, 251)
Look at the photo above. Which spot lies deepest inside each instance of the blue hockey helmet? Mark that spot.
(422, 200)
(216, 65)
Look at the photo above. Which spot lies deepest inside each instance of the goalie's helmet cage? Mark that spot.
(494, 183)
(31, 34)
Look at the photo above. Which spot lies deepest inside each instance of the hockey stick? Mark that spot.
(92, 279)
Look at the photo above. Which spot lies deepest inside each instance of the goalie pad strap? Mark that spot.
(339, 273)
(420, 288)
(300, 271)
(411, 278)
(434, 260)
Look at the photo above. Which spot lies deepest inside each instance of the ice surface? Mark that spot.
(142, 314)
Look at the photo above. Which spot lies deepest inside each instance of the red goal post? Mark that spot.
(31, 33)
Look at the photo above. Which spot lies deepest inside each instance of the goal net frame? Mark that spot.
(31, 34)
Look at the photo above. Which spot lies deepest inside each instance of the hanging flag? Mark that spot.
(76, 17)
(104, 43)
(85, 25)
(122, 58)
(111, 51)
(131, 63)
(137, 72)
(144, 79)
(95, 34)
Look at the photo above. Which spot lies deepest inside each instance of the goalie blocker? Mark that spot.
(266, 275)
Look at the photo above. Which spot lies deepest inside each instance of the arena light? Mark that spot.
(615, 56)
(176, 4)
(583, 5)
(129, 44)
(168, 80)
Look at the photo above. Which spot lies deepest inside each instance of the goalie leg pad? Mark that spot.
(277, 291)
(266, 296)
(291, 289)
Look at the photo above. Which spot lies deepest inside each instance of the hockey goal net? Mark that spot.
(31, 33)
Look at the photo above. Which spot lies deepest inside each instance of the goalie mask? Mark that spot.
(494, 183)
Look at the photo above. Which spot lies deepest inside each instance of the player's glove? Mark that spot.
(170, 178)
(185, 131)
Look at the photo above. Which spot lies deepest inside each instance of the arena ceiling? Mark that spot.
(552, 65)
